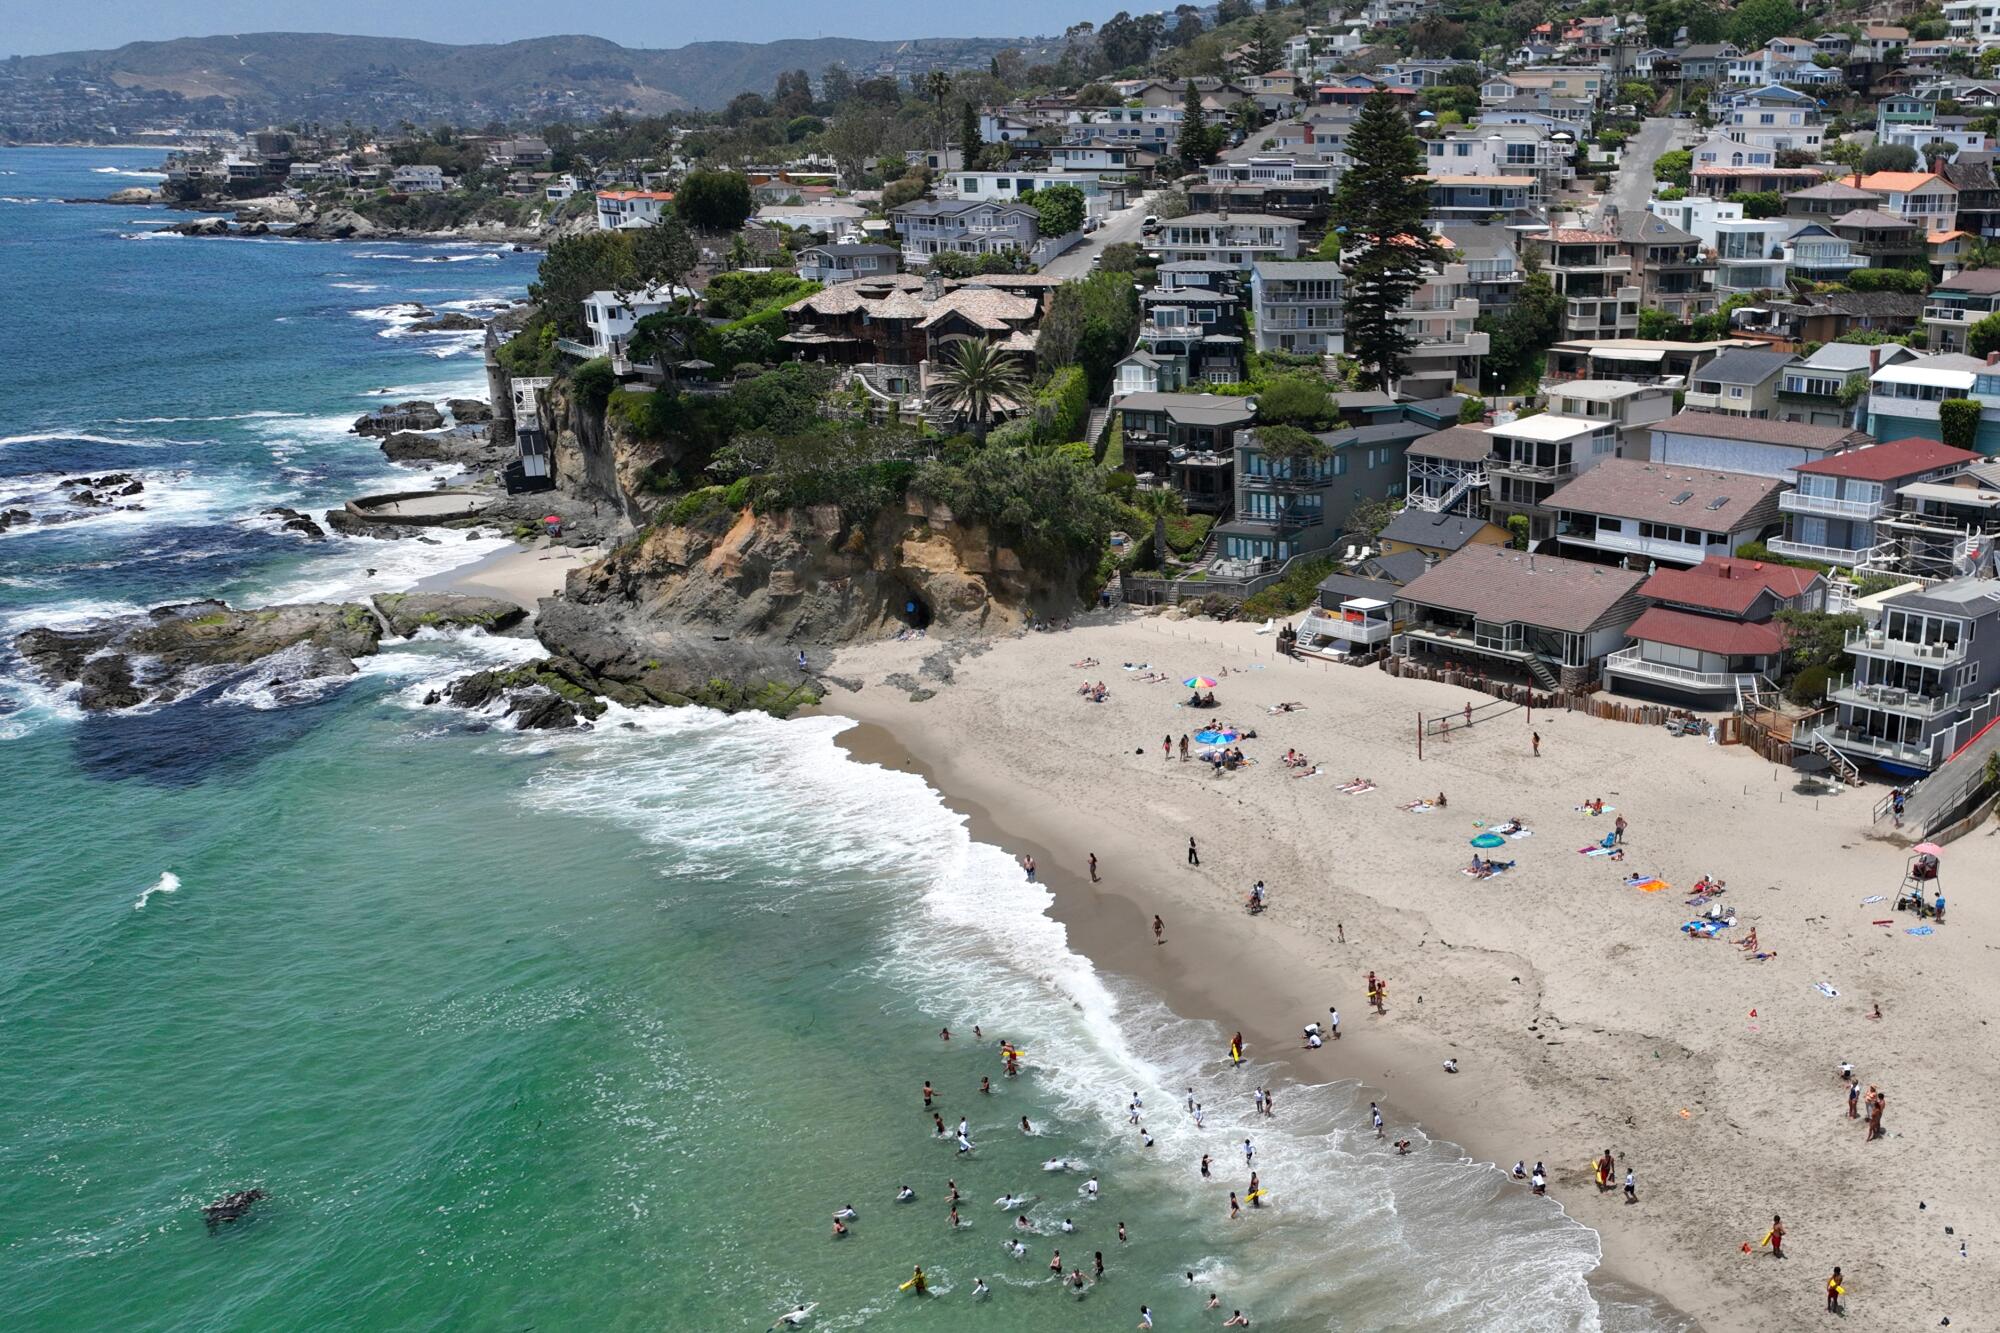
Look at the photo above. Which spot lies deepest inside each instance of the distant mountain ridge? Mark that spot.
(329, 76)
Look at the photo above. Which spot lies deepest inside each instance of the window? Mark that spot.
(1735, 391)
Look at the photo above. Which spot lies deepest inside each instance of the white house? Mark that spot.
(418, 180)
(622, 210)
(609, 317)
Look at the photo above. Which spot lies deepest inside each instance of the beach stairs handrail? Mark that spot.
(1543, 676)
(1100, 419)
(1847, 769)
(1750, 694)
(1441, 504)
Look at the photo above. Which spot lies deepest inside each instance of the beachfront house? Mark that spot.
(1646, 360)
(610, 317)
(931, 227)
(1186, 441)
(1905, 398)
(1708, 637)
(1202, 327)
(1292, 499)
(418, 180)
(1551, 619)
(828, 264)
(1437, 535)
(1447, 471)
(1836, 512)
(1239, 240)
(627, 210)
(1924, 677)
(1660, 513)
(1530, 458)
(1814, 389)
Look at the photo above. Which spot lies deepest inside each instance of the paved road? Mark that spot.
(1122, 225)
(1632, 187)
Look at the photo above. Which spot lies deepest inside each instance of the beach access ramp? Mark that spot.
(1933, 809)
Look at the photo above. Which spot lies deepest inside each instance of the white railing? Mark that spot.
(1826, 555)
(1798, 502)
(1895, 698)
(1947, 314)
(1880, 747)
(1875, 643)
(1631, 663)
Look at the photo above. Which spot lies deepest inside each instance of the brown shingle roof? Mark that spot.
(1728, 585)
(1463, 444)
(1504, 585)
(1757, 430)
(1707, 501)
(1889, 460)
(1708, 634)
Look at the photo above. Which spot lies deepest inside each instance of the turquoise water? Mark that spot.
(589, 1031)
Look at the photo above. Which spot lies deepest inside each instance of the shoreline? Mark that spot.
(1110, 929)
(522, 576)
(1765, 1129)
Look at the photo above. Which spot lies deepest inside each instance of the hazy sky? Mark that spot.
(32, 28)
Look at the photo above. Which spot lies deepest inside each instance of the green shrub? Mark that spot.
(1186, 532)
(1958, 422)
(1295, 592)
(1757, 551)
(694, 504)
(1517, 531)
(1808, 687)
(1062, 406)
(593, 383)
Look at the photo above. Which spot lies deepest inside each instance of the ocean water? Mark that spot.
(584, 1031)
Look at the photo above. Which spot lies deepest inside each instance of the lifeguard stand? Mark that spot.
(1920, 879)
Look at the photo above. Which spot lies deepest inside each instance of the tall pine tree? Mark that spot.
(1198, 142)
(1381, 202)
(968, 135)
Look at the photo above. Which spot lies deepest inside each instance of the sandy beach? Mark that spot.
(1580, 1016)
(523, 576)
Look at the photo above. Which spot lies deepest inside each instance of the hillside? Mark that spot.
(327, 76)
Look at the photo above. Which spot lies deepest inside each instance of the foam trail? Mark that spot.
(168, 882)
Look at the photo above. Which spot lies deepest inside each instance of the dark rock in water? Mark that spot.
(541, 710)
(189, 647)
(412, 415)
(468, 411)
(451, 321)
(230, 1207)
(408, 446)
(132, 488)
(408, 612)
(347, 525)
(201, 227)
(13, 518)
(107, 683)
(431, 698)
(539, 695)
(291, 520)
(89, 498)
(104, 482)
(253, 229)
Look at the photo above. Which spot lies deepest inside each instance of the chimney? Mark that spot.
(1874, 359)
(1309, 133)
(1727, 572)
(1991, 357)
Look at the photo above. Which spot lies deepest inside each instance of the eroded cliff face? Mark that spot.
(805, 576)
(598, 457)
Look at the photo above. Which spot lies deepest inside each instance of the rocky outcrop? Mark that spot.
(336, 224)
(291, 520)
(174, 651)
(407, 612)
(137, 194)
(539, 696)
(451, 321)
(414, 414)
(408, 446)
(469, 411)
(349, 525)
(202, 227)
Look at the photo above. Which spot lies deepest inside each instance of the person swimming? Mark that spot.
(904, 1194)
(797, 1315)
(1090, 1188)
(1056, 1164)
(1015, 1248)
(1068, 1225)
(845, 1213)
(1014, 1200)
(979, 1288)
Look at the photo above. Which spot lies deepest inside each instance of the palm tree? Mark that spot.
(937, 87)
(1160, 503)
(977, 381)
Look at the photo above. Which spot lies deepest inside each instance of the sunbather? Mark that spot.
(1761, 957)
(1749, 942)
(1312, 772)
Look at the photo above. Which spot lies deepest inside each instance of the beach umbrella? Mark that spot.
(1928, 849)
(1199, 683)
(552, 518)
(1489, 840)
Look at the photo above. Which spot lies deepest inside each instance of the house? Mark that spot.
(1978, 191)
(1446, 472)
(1491, 255)
(1741, 383)
(1821, 317)
(622, 210)
(1658, 512)
(1356, 612)
(1555, 619)
(1885, 240)
(609, 317)
(1438, 535)
(1297, 307)
(1236, 239)
(1829, 200)
(828, 264)
(1291, 502)
(1814, 252)
(512, 153)
(1186, 441)
(1708, 633)
(1646, 360)
(1773, 117)
(1842, 501)
(1713, 440)
(1722, 151)
(831, 218)
(1673, 274)
(1904, 397)
(417, 180)
(1531, 458)
(1813, 390)
(1725, 181)
(1956, 304)
(1922, 676)
(1447, 344)
(1880, 44)
(931, 227)
(1500, 199)
(1594, 277)
(904, 320)
(1201, 326)
(1921, 197)
(1630, 407)
(1706, 62)
(1143, 372)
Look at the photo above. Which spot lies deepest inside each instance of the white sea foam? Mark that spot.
(125, 171)
(260, 415)
(168, 882)
(161, 235)
(340, 573)
(88, 437)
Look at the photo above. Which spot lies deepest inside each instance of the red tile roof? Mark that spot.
(1707, 634)
(1889, 460)
(1727, 585)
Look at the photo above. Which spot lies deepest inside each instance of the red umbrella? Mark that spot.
(552, 518)
(1928, 849)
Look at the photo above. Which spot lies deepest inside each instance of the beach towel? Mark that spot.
(1707, 929)
(1646, 885)
(1919, 930)
(1489, 840)
(1885, 921)
(1519, 834)
(1874, 898)
(1827, 990)
(1607, 809)
(1356, 791)
(1491, 874)
(1420, 808)
(1593, 850)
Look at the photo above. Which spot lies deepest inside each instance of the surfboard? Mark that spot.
(907, 1285)
(1255, 1194)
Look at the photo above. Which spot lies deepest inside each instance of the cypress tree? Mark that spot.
(968, 135)
(1381, 202)
(1197, 141)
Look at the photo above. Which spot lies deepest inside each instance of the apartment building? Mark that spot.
(1956, 304)
(1595, 278)
(1298, 307)
(1237, 239)
(1673, 274)
(1530, 459)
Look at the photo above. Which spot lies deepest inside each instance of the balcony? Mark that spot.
(1874, 643)
(1628, 662)
(1361, 634)
(1797, 502)
(1531, 471)
(1826, 555)
(1653, 548)
(1880, 748)
(1894, 699)
(1453, 639)
(1949, 314)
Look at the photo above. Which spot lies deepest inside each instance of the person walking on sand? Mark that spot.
(1875, 1105)
(1184, 747)
(1194, 856)
(1631, 1186)
(1854, 1099)
(1535, 740)
(1775, 1237)
(1093, 867)
(1339, 932)
(1333, 1022)
(1618, 829)
(1159, 929)
(1607, 1166)
(1835, 1289)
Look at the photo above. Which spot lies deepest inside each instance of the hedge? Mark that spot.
(1062, 407)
